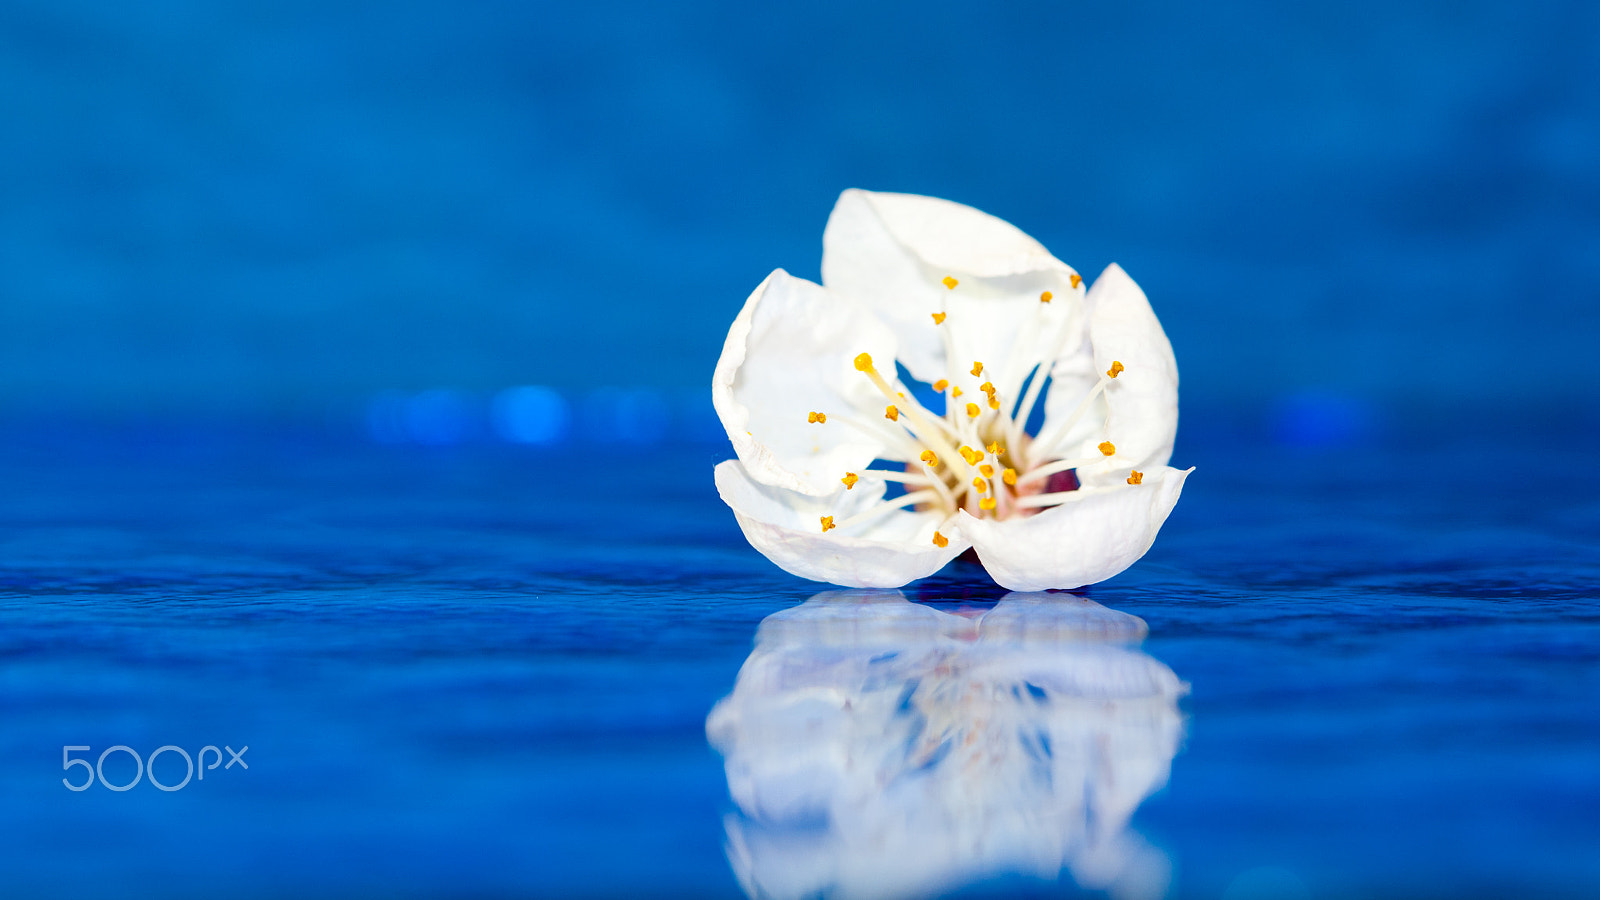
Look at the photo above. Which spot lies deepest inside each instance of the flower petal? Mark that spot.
(1143, 398)
(790, 352)
(893, 549)
(892, 252)
(1082, 541)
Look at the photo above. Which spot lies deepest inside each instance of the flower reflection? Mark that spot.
(880, 748)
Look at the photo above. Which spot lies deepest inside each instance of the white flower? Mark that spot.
(809, 390)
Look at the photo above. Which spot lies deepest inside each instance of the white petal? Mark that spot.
(892, 252)
(1080, 542)
(1143, 399)
(791, 352)
(785, 526)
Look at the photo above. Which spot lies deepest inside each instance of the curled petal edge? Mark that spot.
(892, 251)
(941, 233)
(1144, 398)
(772, 521)
(806, 320)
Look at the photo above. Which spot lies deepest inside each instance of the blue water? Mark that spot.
(487, 671)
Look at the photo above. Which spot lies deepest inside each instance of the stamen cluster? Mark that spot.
(951, 459)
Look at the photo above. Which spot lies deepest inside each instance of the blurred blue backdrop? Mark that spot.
(1344, 215)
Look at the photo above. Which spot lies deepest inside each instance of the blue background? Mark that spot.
(270, 277)
(283, 208)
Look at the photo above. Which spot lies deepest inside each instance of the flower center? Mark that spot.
(978, 456)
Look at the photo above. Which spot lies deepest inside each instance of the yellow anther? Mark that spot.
(968, 454)
(972, 410)
(864, 362)
(929, 458)
(827, 522)
(986, 503)
(1076, 280)
(977, 368)
(1107, 447)
(955, 391)
(994, 402)
(1136, 477)
(979, 485)
(938, 318)
(816, 418)
(940, 385)
(940, 540)
(987, 387)
(1046, 297)
(950, 282)
(987, 470)
(850, 479)
(996, 449)
(890, 413)
(1115, 370)
(1009, 476)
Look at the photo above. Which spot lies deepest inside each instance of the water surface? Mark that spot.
(472, 671)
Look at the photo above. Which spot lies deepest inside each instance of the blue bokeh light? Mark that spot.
(531, 414)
